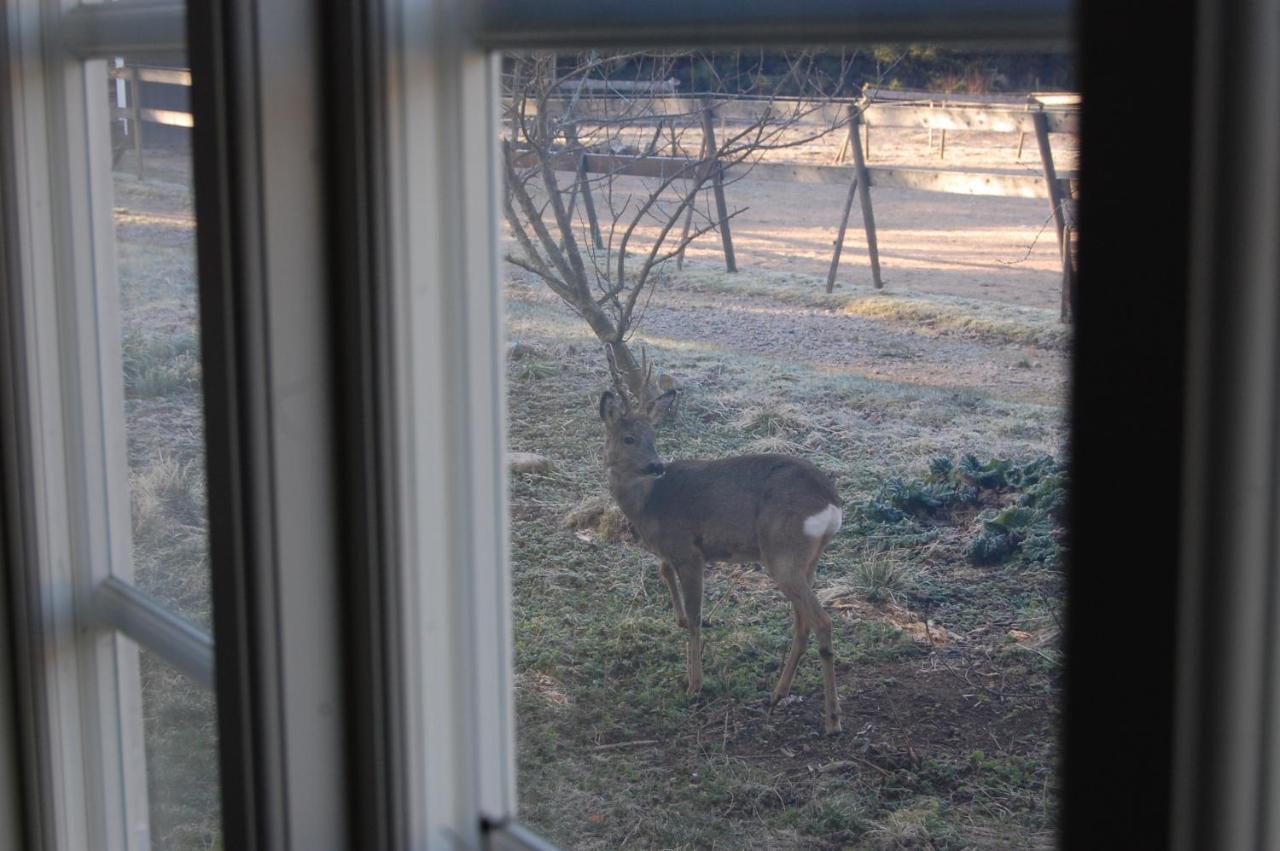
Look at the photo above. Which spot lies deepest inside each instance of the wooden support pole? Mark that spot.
(1050, 174)
(1068, 277)
(844, 147)
(1022, 137)
(942, 148)
(717, 187)
(137, 120)
(588, 203)
(583, 185)
(844, 223)
(864, 192)
(700, 176)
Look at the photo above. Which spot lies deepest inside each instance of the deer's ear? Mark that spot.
(660, 407)
(610, 407)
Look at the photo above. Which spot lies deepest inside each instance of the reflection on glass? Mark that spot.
(181, 736)
(154, 215)
(935, 404)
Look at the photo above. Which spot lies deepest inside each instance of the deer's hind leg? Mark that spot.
(669, 576)
(799, 643)
(794, 576)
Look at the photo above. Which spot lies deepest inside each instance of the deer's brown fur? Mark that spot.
(776, 509)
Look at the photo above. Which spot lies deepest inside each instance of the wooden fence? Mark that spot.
(1038, 114)
(136, 114)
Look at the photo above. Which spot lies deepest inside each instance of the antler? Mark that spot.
(618, 384)
(647, 392)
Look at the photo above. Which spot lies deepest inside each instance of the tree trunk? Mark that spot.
(607, 333)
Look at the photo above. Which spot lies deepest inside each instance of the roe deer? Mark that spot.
(776, 509)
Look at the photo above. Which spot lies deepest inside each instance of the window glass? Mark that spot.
(933, 405)
(154, 219)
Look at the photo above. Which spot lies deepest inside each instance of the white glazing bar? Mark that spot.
(113, 29)
(118, 605)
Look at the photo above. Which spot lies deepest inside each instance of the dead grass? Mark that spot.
(994, 322)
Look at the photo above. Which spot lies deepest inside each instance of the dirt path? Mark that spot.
(829, 340)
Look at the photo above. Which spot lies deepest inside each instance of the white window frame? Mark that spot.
(81, 619)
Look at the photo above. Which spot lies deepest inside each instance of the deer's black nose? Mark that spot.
(655, 469)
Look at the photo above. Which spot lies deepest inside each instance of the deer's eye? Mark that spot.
(628, 440)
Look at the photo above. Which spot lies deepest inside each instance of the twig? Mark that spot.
(618, 745)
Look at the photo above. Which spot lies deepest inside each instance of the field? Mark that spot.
(946, 645)
(945, 582)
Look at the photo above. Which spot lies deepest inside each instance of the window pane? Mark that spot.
(160, 333)
(935, 406)
(154, 218)
(181, 737)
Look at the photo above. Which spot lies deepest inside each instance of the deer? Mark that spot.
(778, 510)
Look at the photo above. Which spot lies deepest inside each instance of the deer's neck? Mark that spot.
(630, 492)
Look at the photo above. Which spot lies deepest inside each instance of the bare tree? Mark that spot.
(606, 155)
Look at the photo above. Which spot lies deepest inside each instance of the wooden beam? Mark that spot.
(1000, 184)
(1050, 177)
(167, 117)
(864, 191)
(987, 120)
(167, 76)
(839, 244)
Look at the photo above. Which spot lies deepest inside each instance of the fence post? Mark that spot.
(717, 186)
(864, 191)
(135, 78)
(844, 223)
(584, 186)
(1041, 123)
(711, 168)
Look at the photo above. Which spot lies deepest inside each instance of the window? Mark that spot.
(349, 202)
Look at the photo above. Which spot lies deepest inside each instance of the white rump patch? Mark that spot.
(825, 522)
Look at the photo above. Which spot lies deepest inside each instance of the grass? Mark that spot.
(160, 348)
(612, 751)
(993, 322)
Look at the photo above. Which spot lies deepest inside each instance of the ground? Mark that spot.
(950, 683)
(949, 671)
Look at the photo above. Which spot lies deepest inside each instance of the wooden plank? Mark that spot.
(167, 117)
(1056, 98)
(864, 192)
(987, 120)
(167, 76)
(1003, 184)
(1007, 184)
(875, 95)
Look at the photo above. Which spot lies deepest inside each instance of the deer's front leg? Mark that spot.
(690, 574)
(669, 576)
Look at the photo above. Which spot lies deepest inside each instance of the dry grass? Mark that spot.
(919, 313)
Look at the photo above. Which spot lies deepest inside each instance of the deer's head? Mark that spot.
(629, 444)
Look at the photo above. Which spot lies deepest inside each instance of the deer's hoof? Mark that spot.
(833, 727)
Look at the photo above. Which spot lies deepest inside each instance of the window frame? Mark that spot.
(280, 791)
